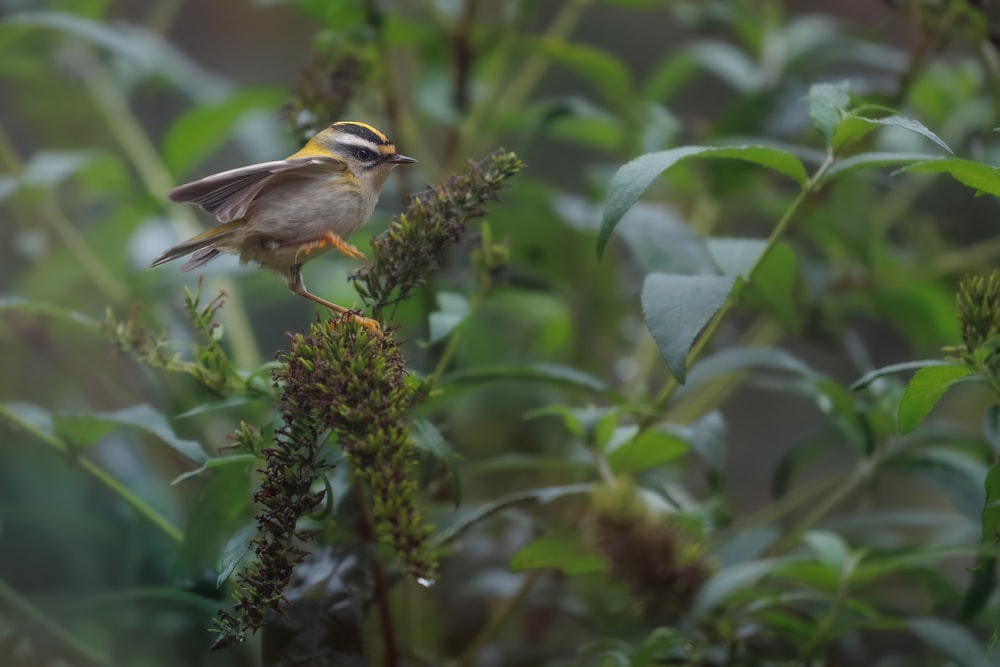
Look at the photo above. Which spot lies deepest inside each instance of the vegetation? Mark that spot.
(690, 350)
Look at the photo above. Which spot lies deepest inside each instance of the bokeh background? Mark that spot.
(106, 105)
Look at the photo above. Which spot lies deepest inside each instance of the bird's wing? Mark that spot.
(228, 194)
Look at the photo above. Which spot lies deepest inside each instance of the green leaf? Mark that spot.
(237, 548)
(829, 547)
(427, 438)
(652, 448)
(31, 307)
(601, 68)
(729, 580)
(540, 372)
(976, 175)
(215, 462)
(740, 359)
(871, 376)
(925, 389)
(854, 127)
(541, 496)
(736, 257)
(772, 287)
(828, 103)
(218, 507)
(676, 309)
(950, 639)
(632, 179)
(984, 579)
(453, 308)
(873, 160)
(86, 429)
(205, 128)
(953, 473)
(560, 551)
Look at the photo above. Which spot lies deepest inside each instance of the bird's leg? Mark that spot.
(333, 240)
(295, 284)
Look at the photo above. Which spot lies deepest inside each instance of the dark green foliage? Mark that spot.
(792, 215)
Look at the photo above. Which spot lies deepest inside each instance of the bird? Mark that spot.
(280, 214)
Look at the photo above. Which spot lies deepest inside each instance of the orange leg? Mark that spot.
(295, 284)
(333, 240)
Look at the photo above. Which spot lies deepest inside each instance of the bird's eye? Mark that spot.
(364, 154)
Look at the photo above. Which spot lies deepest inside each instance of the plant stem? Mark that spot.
(497, 620)
(701, 344)
(157, 179)
(138, 504)
(91, 263)
(25, 610)
(366, 530)
(514, 94)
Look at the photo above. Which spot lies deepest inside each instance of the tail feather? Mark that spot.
(203, 246)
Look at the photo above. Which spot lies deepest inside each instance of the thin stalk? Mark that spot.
(390, 644)
(701, 344)
(139, 149)
(138, 504)
(53, 216)
(514, 94)
(497, 621)
(81, 654)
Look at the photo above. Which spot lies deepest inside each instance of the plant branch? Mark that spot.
(138, 504)
(497, 621)
(136, 144)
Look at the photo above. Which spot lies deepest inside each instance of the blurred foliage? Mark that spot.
(713, 381)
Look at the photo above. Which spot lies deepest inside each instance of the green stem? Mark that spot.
(497, 620)
(91, 263)
(25, 610)
(138, 504)
(701, 344)
(514, 94)
(862, 472)
(136, 144)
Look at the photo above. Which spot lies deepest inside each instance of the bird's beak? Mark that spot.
(400, 159)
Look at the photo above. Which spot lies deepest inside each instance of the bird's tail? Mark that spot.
(203, 246)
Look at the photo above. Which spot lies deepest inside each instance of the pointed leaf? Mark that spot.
(827, 104)
(562, 552)
(950, 639)
(854, 127)
(453, 308)
(925, 389)
(874, 160)
(235, 551)
(976, 175)
(632, 179)
(677, 308)
(652, 448)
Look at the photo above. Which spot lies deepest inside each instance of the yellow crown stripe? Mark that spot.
(377, 133)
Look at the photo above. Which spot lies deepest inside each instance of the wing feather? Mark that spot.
(229, 194)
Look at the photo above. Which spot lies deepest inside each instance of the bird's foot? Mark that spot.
(333, 240)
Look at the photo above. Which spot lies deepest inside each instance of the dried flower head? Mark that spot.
(417, 241)
(662, 561)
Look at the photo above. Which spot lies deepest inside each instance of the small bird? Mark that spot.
(280, 214)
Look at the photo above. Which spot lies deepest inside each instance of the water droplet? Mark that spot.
(426, 582)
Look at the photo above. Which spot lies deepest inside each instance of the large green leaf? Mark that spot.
(202, 130)
(950, 639)
(977, 175)
(606, 71)
(677, 308)
(853, 127)
(653, 447)
(925, 389)
(632, 179)
(86, 429)
(560, 551)
(874, 160)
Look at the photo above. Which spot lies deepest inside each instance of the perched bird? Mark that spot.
(280, 214)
